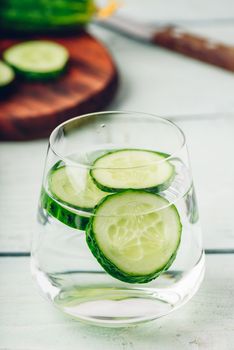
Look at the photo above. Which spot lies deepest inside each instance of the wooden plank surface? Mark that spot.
(210, 144)
(28, 322)
(156, 80)
(20, 180)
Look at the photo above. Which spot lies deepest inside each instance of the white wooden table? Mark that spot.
(200, 98)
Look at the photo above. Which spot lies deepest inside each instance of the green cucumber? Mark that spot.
(62, 214)
(134, 235)
(48, 8)
(37, 59)
(7, 75)
(44, 15)
(74, 187)
(132, 169)
(51, 16)
(70, 188)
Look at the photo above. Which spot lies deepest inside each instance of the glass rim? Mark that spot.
(121, 112)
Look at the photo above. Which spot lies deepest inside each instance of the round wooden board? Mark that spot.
(33, 109)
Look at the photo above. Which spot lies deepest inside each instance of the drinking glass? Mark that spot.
(71, 262)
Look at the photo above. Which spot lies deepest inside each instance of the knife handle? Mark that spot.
(203, 49)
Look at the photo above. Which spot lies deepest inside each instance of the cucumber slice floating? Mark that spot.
(7, 75)
(75, 187)
(37, 59)
(60, 213)
(132, 169)
(132, 246)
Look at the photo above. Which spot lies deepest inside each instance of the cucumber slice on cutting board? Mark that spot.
(37, 59)
(132, 169)
(134, 235)
(7, 75)
(74, 187)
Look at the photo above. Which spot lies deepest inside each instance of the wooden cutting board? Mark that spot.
(34, 109)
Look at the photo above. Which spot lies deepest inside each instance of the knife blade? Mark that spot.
(175, 38)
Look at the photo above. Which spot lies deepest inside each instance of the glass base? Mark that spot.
(107, 305)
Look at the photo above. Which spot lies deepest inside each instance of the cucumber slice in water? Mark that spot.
(7, 75)
(71, 188)
(132, 169)
(38, 59)
(134, 235)
(62, 214)
(74, 187)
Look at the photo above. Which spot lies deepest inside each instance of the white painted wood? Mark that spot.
(29, 322)
(156, 80)
(20, 180)
(159, 81)
(154, 10)
(211, 145)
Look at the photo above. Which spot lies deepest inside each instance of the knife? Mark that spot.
(174, 38)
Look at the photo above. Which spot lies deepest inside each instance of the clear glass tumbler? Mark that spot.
(117, 240)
